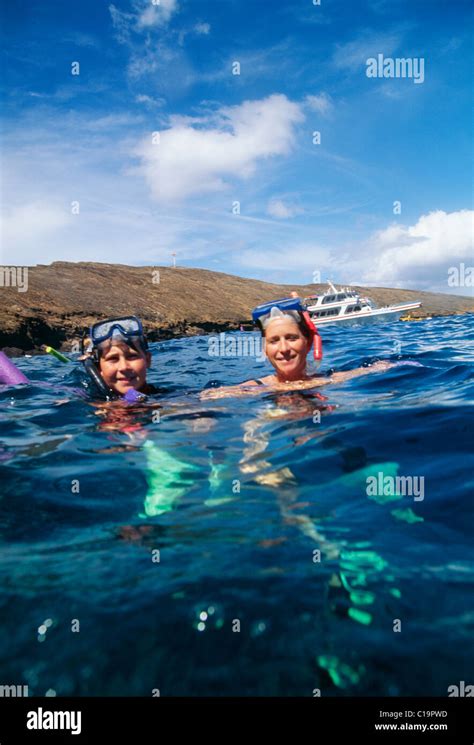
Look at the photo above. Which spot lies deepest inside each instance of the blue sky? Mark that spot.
(156, 145)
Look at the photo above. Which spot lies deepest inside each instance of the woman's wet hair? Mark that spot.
(296, 317)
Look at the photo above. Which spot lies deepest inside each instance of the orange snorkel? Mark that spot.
(316, 340)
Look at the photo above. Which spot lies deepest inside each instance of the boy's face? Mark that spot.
(123, 367)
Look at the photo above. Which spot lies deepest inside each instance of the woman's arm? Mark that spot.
(252, 388)
(341, 377)
(249, 388)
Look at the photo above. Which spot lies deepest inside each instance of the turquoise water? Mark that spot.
(147, 541)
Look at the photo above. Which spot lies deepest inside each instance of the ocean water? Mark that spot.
(239, 546)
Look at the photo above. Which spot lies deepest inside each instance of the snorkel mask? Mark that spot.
(125, 328)
(290, 309)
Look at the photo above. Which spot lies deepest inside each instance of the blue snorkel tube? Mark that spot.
(290, 303)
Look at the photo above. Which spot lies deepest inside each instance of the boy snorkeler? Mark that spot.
(118, 358)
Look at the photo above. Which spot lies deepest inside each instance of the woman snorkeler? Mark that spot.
(289, 334)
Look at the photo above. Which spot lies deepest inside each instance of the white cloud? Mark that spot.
(277, 208)
(157, 15)
(322, 103)
(27, 225)
(414, 256)
(202, 28)
(122, 22)
(452, 45)
(149, 100)
(436, 239)
(111, 121)
(224, 146)
(150, 65)
(145, 16)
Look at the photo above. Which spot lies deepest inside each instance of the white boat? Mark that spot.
(347, 306)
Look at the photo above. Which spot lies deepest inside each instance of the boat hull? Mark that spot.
(374, 315)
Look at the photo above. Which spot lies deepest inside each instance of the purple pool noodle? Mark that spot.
(9, 373)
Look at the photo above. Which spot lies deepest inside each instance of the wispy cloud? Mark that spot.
(352, 55)
(321, 103)
(158, 14)
(150, 101)
(82, 40)
(202, 28)
(143, 17)
(277, 208)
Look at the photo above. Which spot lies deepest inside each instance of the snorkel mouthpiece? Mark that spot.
(133, 396)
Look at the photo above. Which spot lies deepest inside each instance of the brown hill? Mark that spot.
(63, 298)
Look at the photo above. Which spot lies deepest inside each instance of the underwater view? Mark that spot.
(281, 544)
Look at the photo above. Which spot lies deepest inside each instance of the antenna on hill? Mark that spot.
(173, 254)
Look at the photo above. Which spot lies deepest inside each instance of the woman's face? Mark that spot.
(286, 347)
(123, 367)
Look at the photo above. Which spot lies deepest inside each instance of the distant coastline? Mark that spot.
(64, 298)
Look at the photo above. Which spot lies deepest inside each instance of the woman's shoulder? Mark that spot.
(259, 381)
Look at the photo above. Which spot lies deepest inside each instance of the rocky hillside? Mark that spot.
(63, 298)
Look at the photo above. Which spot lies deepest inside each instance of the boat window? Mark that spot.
(342, 296)
(350, 308)
(324, 313)
(329, 299)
